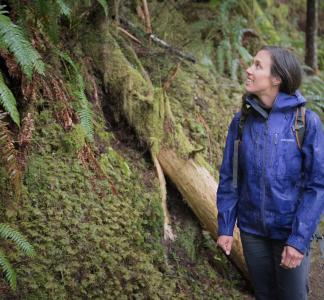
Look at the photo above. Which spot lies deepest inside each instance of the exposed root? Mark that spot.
(168, 234)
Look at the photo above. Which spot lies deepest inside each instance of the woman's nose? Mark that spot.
(248, 70)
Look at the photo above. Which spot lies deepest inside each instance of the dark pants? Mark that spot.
(270, 281)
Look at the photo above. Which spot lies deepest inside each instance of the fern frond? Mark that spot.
(9, 233)
(8, 101)
(313, 90)
(246, 56)
(228, 55)
(12, 36)
(84, 111)
(64, 8)
(234, 69)
(8, 270)
(104, 5)
(220, 59)
(224, 13)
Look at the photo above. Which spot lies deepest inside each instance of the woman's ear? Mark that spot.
(276, 81)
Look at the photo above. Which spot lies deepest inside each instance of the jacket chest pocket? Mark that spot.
(287, 158)
(250, 154)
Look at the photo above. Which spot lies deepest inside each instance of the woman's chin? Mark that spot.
(249, 89)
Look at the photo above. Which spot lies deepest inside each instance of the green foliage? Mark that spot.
(8, 270)
(7, 232)
(104, 5)
(51, 14)
(64, 8)
(83, 108)
(8, 101)
(12, 37)
(226, 30)
(313, 90)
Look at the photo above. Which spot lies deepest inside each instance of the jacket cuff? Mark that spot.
(297, 243)
(225, 231)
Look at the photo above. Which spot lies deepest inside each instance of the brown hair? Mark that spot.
(286, 66)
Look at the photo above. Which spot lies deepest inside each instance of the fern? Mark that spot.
(228, 55)
(12, 37)
(234, 69)
(313, 90)
(104, 5)
(8, 270)
(64, 8)
(8, 101)
(220, 59)
(231, 56)
(9, 233)
(244, 53)
(84, 111)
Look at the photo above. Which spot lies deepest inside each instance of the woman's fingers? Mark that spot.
(291, 258)
(225, 242)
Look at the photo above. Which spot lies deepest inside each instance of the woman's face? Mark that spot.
(259, 79)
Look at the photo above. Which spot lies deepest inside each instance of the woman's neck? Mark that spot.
(267, 99)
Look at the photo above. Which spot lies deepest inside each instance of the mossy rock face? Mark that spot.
(91, 241)
(102, 238)
(193, 113)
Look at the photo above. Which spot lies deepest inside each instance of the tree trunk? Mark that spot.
(310, 35)
(199, 188)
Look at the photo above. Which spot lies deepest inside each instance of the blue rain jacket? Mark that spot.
(280, 192)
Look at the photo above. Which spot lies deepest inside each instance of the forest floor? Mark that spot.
(317, 271)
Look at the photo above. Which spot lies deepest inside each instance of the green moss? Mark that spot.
(91, 241)
(74, 140)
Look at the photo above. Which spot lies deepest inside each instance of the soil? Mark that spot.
(316, 278)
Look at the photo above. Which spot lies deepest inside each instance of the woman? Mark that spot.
(279, 196)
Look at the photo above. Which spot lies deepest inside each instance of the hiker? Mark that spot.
(272, 178)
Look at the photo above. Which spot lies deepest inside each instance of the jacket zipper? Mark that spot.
(263, 177)
(265, 155)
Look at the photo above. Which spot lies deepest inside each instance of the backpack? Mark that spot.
(299, 128)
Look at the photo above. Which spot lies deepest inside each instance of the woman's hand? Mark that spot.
(225, 242)
(291, 258)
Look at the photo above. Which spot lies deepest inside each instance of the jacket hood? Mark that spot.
(282, 102)
(285, 101)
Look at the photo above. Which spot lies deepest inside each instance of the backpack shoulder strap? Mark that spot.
(243, 117)
(300, 125)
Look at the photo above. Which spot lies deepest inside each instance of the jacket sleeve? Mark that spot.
(311, 207)
(227, 195)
